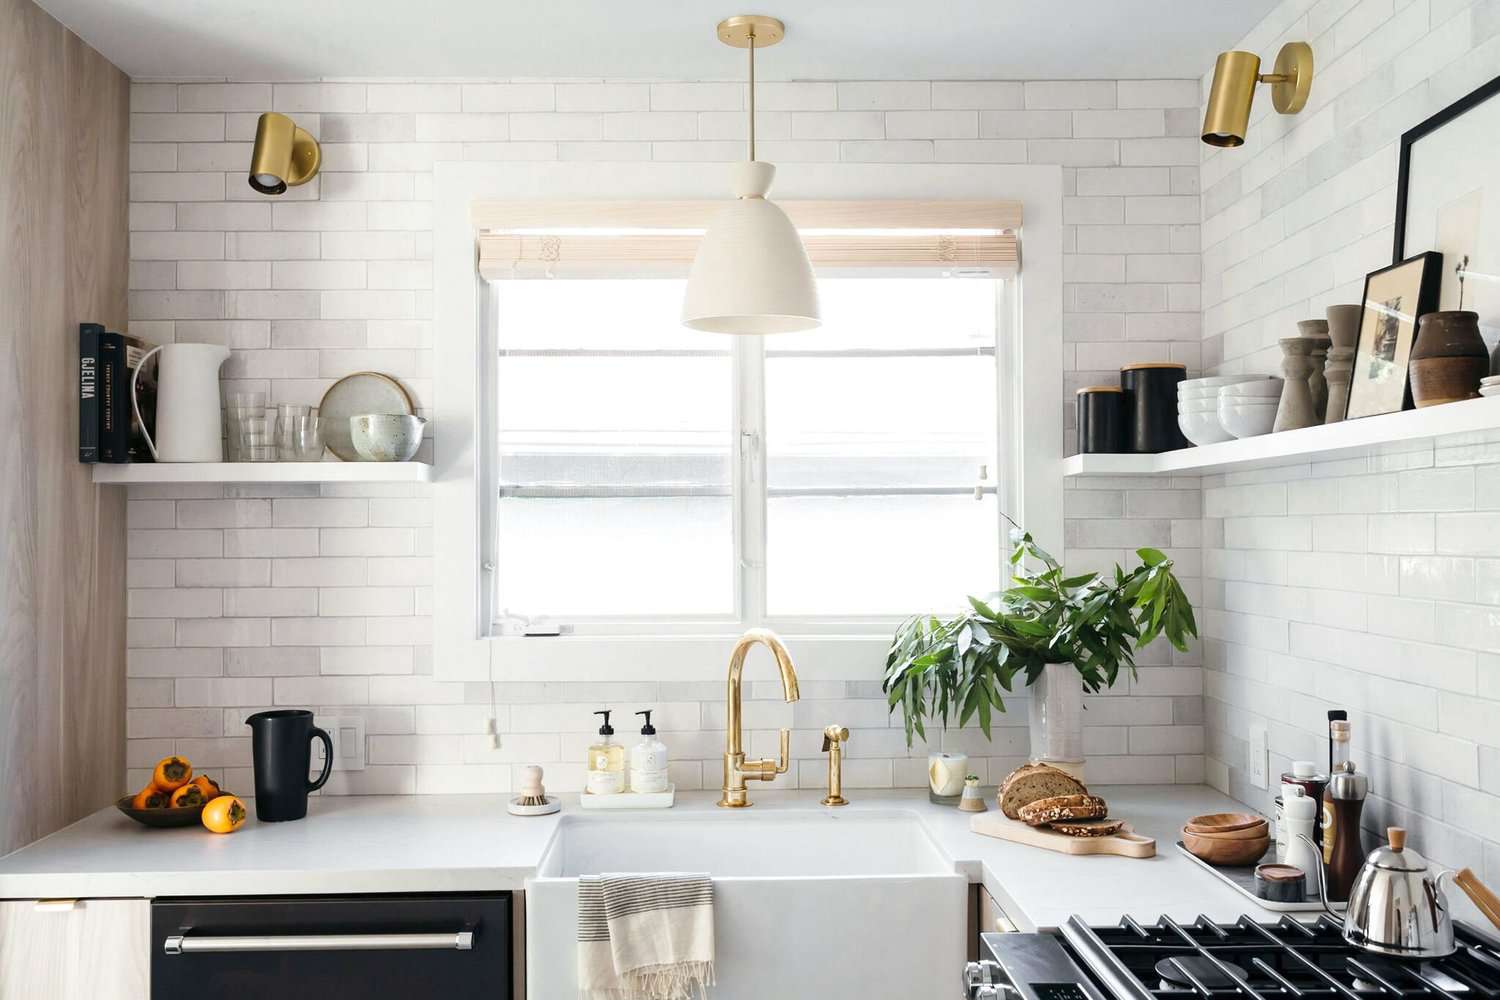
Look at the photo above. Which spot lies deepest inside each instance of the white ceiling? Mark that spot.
(659, 39)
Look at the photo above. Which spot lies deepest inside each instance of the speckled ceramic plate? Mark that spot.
(352, 396)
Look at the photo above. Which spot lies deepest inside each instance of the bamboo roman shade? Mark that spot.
(587, 239)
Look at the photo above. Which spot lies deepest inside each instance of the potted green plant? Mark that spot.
(1056, 634)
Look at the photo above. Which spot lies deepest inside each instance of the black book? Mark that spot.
(88, 391)
(114, 442)
(120, 437)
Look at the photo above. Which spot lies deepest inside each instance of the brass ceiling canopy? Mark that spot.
(284, 155)
(744, 30)
(1235, 76)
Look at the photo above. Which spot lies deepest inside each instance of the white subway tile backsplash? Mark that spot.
(325, 598)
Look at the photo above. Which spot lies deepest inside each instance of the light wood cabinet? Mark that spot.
(86, 949)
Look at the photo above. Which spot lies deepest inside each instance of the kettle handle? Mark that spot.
(135, 406)
(1485, 900)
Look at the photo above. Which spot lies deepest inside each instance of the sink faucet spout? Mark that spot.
(737, 770)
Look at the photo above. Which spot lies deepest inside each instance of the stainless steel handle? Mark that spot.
(179, 944)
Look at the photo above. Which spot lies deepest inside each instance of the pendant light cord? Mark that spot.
(751, 48)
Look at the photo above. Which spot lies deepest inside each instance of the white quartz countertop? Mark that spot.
(452, 843)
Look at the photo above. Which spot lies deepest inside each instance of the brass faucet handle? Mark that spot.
(784, 761)
(832, 735)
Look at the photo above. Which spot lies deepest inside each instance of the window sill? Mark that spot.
(677, 658)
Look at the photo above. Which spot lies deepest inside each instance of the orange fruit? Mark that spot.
(189, 796)
(224, 814)
(150, 797)
(208, 786)
(172, 773)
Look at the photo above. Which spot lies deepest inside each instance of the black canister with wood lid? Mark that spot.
(1101, 420)
(1151, 407)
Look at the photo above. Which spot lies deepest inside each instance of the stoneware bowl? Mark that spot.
(1191, 405)
(187, 816)
(1225, 852)
(386, 437)
(1266, 388)
(1202, 427)
(1247, 419)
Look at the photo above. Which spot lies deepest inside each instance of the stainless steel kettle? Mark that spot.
(1397, 906)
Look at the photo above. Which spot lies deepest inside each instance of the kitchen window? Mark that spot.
(649, 479)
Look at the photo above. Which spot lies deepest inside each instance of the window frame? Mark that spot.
(1032, 358)
(749, 494)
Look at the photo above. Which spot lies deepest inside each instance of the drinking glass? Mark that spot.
(302, 440)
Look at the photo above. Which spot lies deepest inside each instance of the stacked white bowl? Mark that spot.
(1198, 406)
(1247, 409)
(1489, 385)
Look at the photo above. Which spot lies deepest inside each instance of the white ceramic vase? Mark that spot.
(1057, 717)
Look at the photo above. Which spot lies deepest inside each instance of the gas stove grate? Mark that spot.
(1287, 960)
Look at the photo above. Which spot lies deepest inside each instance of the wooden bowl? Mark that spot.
(1223, 822)
(185, 816)
(1225, 852)
(1255, 832)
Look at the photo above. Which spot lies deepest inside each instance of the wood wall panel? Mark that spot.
(64, 113)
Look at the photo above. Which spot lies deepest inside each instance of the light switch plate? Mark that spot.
(1260, 753)
(348, 735)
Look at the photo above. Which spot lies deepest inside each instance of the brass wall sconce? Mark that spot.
(284, 156)
(1235, 77)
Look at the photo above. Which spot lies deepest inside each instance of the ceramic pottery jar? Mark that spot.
(1101, 420)
(1296, 410)
(1151, 407)
(1343, 331)
(1448, 359)
(1316, 330)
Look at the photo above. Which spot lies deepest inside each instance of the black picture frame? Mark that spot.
(1413, 135)
(1427, 283)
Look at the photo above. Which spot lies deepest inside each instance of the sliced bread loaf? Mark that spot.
(1061, 808)
(1030, 782)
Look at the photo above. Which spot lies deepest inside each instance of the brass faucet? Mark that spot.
(738, 770)
(833, 745)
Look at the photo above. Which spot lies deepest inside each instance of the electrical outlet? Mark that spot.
(348, 735)
(1260, 754)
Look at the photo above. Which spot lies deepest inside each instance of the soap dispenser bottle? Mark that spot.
(648, 760)
(606, 762)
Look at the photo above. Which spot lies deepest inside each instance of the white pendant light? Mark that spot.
(751, 274)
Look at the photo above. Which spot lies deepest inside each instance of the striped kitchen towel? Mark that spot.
(645, 937)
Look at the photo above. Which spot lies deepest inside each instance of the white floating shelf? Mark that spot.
(1311, 444)
(263, 472)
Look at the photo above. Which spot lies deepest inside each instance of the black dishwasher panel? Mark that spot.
(454, 947)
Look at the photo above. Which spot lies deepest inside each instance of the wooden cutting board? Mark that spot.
(1125, 843)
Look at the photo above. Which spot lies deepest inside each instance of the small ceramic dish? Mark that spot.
(162, 818)
(1205, 403)
(1489, 390)
(1280, 883)
(386, 437)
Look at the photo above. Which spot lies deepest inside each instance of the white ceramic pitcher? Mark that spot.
(187, 403)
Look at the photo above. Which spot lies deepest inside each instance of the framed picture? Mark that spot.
(1394, 297)
(1448, 200)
